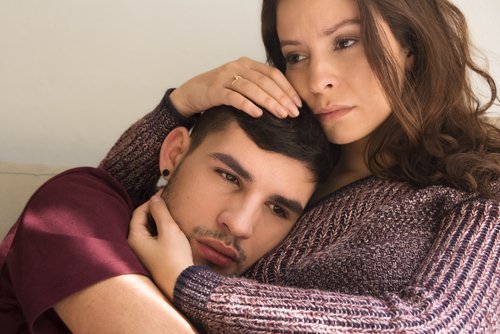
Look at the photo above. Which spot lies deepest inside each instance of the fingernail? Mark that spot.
(297, 101)
(257, 112)
(294, 111)
(157, 197)
(282, 112)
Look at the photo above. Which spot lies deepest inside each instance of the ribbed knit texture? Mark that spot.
(393, 259)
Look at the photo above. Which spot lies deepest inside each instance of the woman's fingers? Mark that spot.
(265, 93)
(139, 220)
(280, 79)
(165, 256)
(245, 84)
(143, 221)
(262, 85)
(159, 211)
(242, 103)
(170, 253)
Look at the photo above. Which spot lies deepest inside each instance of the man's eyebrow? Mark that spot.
(291, 204)
(325, 32)
(233, 164)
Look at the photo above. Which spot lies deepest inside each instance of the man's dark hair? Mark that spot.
(300, 138)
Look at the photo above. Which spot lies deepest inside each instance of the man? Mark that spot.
(235, 186)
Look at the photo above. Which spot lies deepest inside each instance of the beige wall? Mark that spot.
(75, 73)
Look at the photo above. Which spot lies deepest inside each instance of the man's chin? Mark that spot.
(223, 271)
(229, 271)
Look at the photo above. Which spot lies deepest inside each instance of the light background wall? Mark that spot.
(74, 74)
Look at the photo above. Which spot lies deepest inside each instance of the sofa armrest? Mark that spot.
(18, 181)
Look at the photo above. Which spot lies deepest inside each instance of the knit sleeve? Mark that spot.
(134, 158)
(456, 290)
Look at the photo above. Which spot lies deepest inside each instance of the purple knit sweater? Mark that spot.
(388, 257)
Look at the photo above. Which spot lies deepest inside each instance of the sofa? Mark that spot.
(17, 182)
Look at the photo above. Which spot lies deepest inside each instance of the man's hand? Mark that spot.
(166, 255)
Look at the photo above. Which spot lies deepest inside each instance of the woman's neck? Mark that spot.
(350, 167)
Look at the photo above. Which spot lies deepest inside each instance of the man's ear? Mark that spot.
(174, 148)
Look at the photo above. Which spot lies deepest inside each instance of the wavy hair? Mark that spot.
(436, 133)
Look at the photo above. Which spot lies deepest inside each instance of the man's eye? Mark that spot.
(278, 210)
(229, 177)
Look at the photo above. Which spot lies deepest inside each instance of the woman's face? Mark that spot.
(327, 65)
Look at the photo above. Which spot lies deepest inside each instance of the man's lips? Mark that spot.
(217, 252)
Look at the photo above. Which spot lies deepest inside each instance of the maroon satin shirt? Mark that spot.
(72, 234)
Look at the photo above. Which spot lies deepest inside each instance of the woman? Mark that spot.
(404, 234)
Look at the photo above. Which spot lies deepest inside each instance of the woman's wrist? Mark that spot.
(166, 281)
(179, 104)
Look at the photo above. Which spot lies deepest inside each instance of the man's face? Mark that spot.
(234, 201)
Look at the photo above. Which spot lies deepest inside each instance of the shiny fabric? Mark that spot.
(72, 234)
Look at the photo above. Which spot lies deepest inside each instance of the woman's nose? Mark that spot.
(322, 75)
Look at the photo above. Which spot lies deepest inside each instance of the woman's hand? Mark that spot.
(166, 255)
(243, 84)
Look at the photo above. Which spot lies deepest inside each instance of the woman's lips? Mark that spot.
(217, 253)
(333, 113)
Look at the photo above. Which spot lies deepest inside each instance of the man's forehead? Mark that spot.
(231, 135)
(233, 144)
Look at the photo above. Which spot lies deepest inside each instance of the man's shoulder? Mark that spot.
(80, 182)
(80, 175)
(82, 195)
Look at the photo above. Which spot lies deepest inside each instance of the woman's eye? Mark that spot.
(278, 210)
(345, 43)
(294, 58)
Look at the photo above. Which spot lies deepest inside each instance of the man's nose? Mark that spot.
(240, 218)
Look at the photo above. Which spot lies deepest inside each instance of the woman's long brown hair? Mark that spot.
(436, 133)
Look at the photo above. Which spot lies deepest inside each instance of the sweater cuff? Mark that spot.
(192, 292)
(167, 106)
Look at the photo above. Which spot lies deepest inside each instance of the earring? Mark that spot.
(165, 172)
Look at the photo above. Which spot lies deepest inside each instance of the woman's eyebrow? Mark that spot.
(337, 26)
(326, 32)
